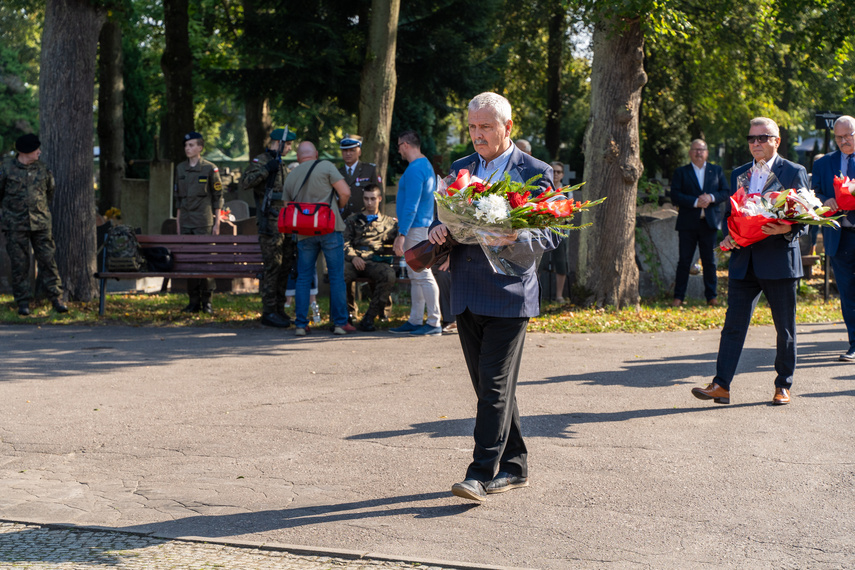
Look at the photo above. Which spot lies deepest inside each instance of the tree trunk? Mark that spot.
(177, 66)
(612, 164)
(66, 94)
(258, 122)
(377, 85)
(554, 53)
(111, 122)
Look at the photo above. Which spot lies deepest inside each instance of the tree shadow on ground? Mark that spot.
(544, 425)
(57, 545)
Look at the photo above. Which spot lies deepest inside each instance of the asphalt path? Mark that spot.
(354, 442)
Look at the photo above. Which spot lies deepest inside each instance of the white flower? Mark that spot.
(492, 208)
(809, 197)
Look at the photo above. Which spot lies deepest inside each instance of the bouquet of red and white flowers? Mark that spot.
(512, 226)
(844, 192)
(750, 212)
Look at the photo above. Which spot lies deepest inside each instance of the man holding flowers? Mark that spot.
(772, 266)
(493, 309)
(840, 244)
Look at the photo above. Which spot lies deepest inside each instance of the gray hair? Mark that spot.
(523, 145)
(845, 120)
(767, 122)
(501, 107)
(702, 141)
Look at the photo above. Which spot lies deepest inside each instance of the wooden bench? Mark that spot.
(196, 257)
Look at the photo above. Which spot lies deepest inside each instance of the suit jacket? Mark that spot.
(685, 190)
(364, 173)
(822, 182)
(474, 284)
(774, 257)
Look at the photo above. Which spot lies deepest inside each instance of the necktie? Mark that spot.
(350, 171)
(850, 172)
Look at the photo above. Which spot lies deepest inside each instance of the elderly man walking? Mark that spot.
(493, 310)
(840, 244)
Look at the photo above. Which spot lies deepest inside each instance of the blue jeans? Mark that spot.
(308, 250)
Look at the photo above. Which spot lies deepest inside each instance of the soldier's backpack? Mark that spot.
(123, 250)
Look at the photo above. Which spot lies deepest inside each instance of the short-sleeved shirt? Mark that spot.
(318, 187)
(198, 193)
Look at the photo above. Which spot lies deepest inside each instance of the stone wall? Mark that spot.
(657, 252)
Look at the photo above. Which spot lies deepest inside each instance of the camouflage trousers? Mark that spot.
(199, 290)
(44, 251)
(277, 252)
(382, 277)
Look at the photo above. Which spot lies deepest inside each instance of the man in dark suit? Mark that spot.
(698, 189)
(357, 174)
(772, 266)
(840, 244)
(493, 310)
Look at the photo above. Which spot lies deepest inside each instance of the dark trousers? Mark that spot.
(492, 347)
(703, 239)
(843, 264)
(742, 298)
(199, 290)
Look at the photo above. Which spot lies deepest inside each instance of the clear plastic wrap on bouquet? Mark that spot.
(509, 251)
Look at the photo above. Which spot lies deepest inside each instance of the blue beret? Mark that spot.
(192, 135)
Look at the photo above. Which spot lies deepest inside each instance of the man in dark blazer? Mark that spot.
(357, 174)
(772, 266)
(698, 189)
(840, 244)
(493, 310)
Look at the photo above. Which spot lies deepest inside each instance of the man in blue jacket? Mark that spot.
(414, 206)
(698, 189)
(493, 310)
(772, 266)
(840, 244)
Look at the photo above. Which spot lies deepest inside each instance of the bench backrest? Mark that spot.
(238, 254)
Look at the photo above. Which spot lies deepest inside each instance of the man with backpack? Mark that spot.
(26, 190)
(199, 196)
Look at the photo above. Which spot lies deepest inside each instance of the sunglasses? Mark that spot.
(762, 139)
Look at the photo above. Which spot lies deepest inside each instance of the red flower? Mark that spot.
(558, 208)
(516, 199)
(478, 188)
(459, 184)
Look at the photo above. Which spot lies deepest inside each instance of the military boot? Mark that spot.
(59, 306)
(23, 308)
(367, 323)
(273, 319)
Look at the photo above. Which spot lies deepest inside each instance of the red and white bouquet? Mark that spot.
(844, 192)
(513, 222)
(750, 212)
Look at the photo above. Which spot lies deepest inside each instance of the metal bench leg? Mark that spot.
(101, 301)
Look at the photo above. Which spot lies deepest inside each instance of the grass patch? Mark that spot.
(243, 311)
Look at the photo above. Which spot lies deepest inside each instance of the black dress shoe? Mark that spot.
(275, 320)
(24, 309)
(848, 357)
(207, 308)
(191, 308)
(505, 482)
(59, 306)
(471, 489)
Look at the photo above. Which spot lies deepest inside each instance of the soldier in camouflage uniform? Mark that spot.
(265, 176)
(368, 239)
(26, 189)
(199, 197)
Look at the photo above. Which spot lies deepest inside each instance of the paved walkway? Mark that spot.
(351, 445)
(30, 546)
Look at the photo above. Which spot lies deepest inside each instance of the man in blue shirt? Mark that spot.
(414, 206)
